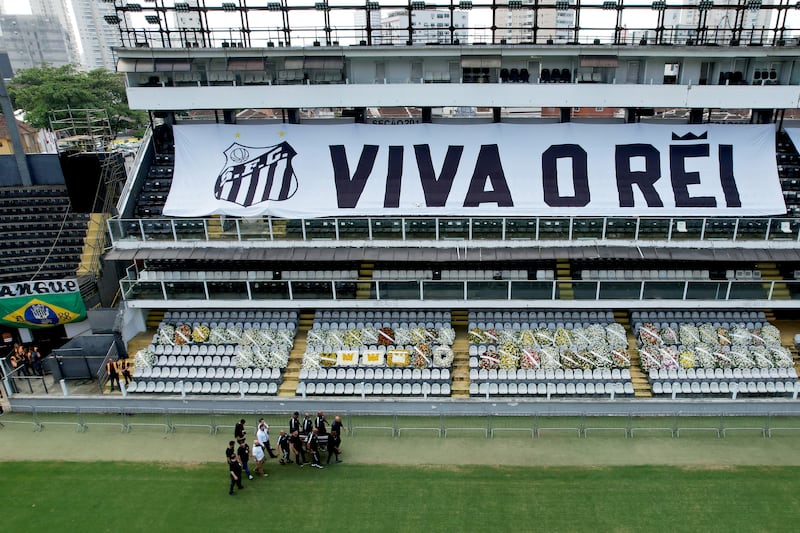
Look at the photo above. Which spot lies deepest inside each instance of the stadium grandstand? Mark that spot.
(531, 205)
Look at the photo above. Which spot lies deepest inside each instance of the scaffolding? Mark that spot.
(81, 130)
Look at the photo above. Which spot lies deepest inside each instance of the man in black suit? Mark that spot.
(235, 471)
(320, 423)
(335, 440)
(307, 426)
(284, 445)
(297, 445)
(294, 423)
(312, 442)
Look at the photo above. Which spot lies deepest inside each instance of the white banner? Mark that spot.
(304, 171)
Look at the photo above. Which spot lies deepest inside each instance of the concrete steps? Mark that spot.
(564, 272)
(770, 273)
(459, 387)
(93, 245)
(214, 225)
(291, 374)
(364, 290)
(154, 318)
(641, 386)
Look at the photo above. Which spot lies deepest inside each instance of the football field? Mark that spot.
(148, 480)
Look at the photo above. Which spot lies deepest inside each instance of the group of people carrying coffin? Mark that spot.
(307, 435)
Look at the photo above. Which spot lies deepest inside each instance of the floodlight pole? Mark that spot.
(16, 139)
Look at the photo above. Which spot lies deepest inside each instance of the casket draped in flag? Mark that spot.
(253, 175)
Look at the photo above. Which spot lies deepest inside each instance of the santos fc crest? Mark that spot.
(253, 175)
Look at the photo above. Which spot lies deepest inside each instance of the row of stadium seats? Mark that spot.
(541, 316)
(374, 389)
(549, 376)
(203, 387)
(548, 390)
(719, 374)
(231, 315)
(711, 388)
(620, 274)
(218, 373)
(698, 316)
(387, 324)
(400, 375)
(405, 316)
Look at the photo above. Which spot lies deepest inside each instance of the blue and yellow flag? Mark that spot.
(41, 304)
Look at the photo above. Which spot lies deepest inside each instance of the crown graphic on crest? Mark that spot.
(40, 312)
(690, 137)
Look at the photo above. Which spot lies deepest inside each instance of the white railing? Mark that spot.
(574, 291)
(156, 230)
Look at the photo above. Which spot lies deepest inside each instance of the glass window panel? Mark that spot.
(420, 228)
(142, 290)
(520, 228)
(269, 290)
(442, 290)
(399, 290)
(752, 229)
(587, 228)
(287, 229)
(620, 228)
(227, 290)
(157, 230)
(350, 290)
(531, 290)
(554, 229)
(487, 228)
(185, 290)
(749, 290)
(125, 229)
(320, 229)
(653, 228)
(312, 290)
(618, 290)
(453, 228)
(254, 228)
(487, 290)
(783, 229)
(387, 228)
(706, 290)
(720, 228)
(792, 290)
(353, 228)
(584, 290)
(686, 229)
(189, 230)
(658, 290)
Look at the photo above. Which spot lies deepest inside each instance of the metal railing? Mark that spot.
(479, 229)
(534, 426)
(460, 290)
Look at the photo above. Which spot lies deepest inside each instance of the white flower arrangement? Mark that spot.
(771, 335)
(781, 357)
(447, 335)
(761, 357)
(311, 361)
(369, 335)
(244, 356)
(443, 356)
(218, 335)
(143, 359)
(708, 334)
(689, 335)
(403, 336)
(616, 336)
(704, 357)
(165, 335)
(549, 358)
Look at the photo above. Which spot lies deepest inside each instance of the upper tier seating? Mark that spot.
(39, 233)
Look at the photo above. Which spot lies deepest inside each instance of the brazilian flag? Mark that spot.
(41, 304)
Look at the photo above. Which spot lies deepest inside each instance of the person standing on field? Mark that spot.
(284, 444)
(113, 374)
(258, 455)
(235, 471)
(335, 440)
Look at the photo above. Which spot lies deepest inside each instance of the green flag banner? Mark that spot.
(41, 304)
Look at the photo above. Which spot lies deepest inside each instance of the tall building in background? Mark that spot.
(430, 26)
(189, 25)
(90, 37)
(33, 41)
(684, 22)
(516, 25)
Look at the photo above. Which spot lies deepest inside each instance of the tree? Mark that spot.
(38, 91)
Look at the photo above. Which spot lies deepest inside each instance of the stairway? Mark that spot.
(214, 225)
(364, 290)
(788, 328)
(460, 371)
(769, 273)
(564, 272)
(278, 228)
(291, 374)
(641, 387)
(93, 246)
(154, 318)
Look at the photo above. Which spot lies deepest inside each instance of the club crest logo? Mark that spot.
(253, 175)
